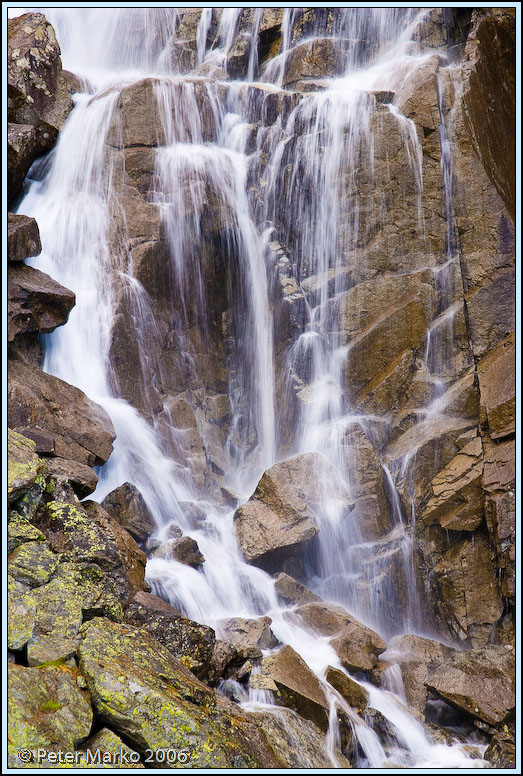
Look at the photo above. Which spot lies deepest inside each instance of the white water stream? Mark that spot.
(306, 154)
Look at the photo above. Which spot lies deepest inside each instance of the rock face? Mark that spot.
(480, 681)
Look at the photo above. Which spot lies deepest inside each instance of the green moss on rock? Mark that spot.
(33, 563)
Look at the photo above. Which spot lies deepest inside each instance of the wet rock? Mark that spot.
(353, 693)
(160, 703)
(291, 591)
(23, 237)
(457, 500)
(298, 687)
(357, 645)
(190, 642)
(25, 469)
(248, 634)
(417, 657)
(224, 654)
(35, 302)
(24, 143)
(480, 681)
(317, 58)
(126, 505)
(295, 742)
(184, 550)
(46, 709)
(81, 429)
(277, 522)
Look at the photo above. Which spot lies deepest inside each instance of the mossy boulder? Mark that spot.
(78, 591)
(92, 536)
(24, 467)
(20, 616)
(189, 641)
(148, 697)
(19, 531)
(107, 742)
(33, 563)
(46, 709)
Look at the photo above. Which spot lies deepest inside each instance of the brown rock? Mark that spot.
(468, 600)
(36, 302)
(184, 550)
(357, 645)
(81, 429)
(78, 475)
(481, 682)
(298, 687)
(126, 505)
(317, 58)
(278, 519)
(353, 693)
(497, 385)
(416, 657)
(457, 500)
(293, 592)
(500, 508)
(23, 237)
(491, 311)
(248, 634)
(24, 144)
(489, 102)
(34, 67)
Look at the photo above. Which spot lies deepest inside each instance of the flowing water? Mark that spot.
(307, 162)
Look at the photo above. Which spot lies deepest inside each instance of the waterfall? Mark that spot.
(220, 184)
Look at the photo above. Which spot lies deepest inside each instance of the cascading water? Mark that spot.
(309, 162)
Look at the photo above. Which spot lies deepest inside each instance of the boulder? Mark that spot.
(184, 550)
(82, 430)
(78, 591)
(190, 642)
(278, 520)
(23, 237)
(107, 742)
(357, 645)
(126, 505)
(297, 687)
(350, 690)
(224, 655)
(33, 563)
(24, 143)
(248, 635)
(501, 752)
(457, 499)
(480, 682)
(73, 475)
(35, 69)
(160, 704)
(35, 302)
(291, 591)
(295, 742)
(47, 709)
(20, 616)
